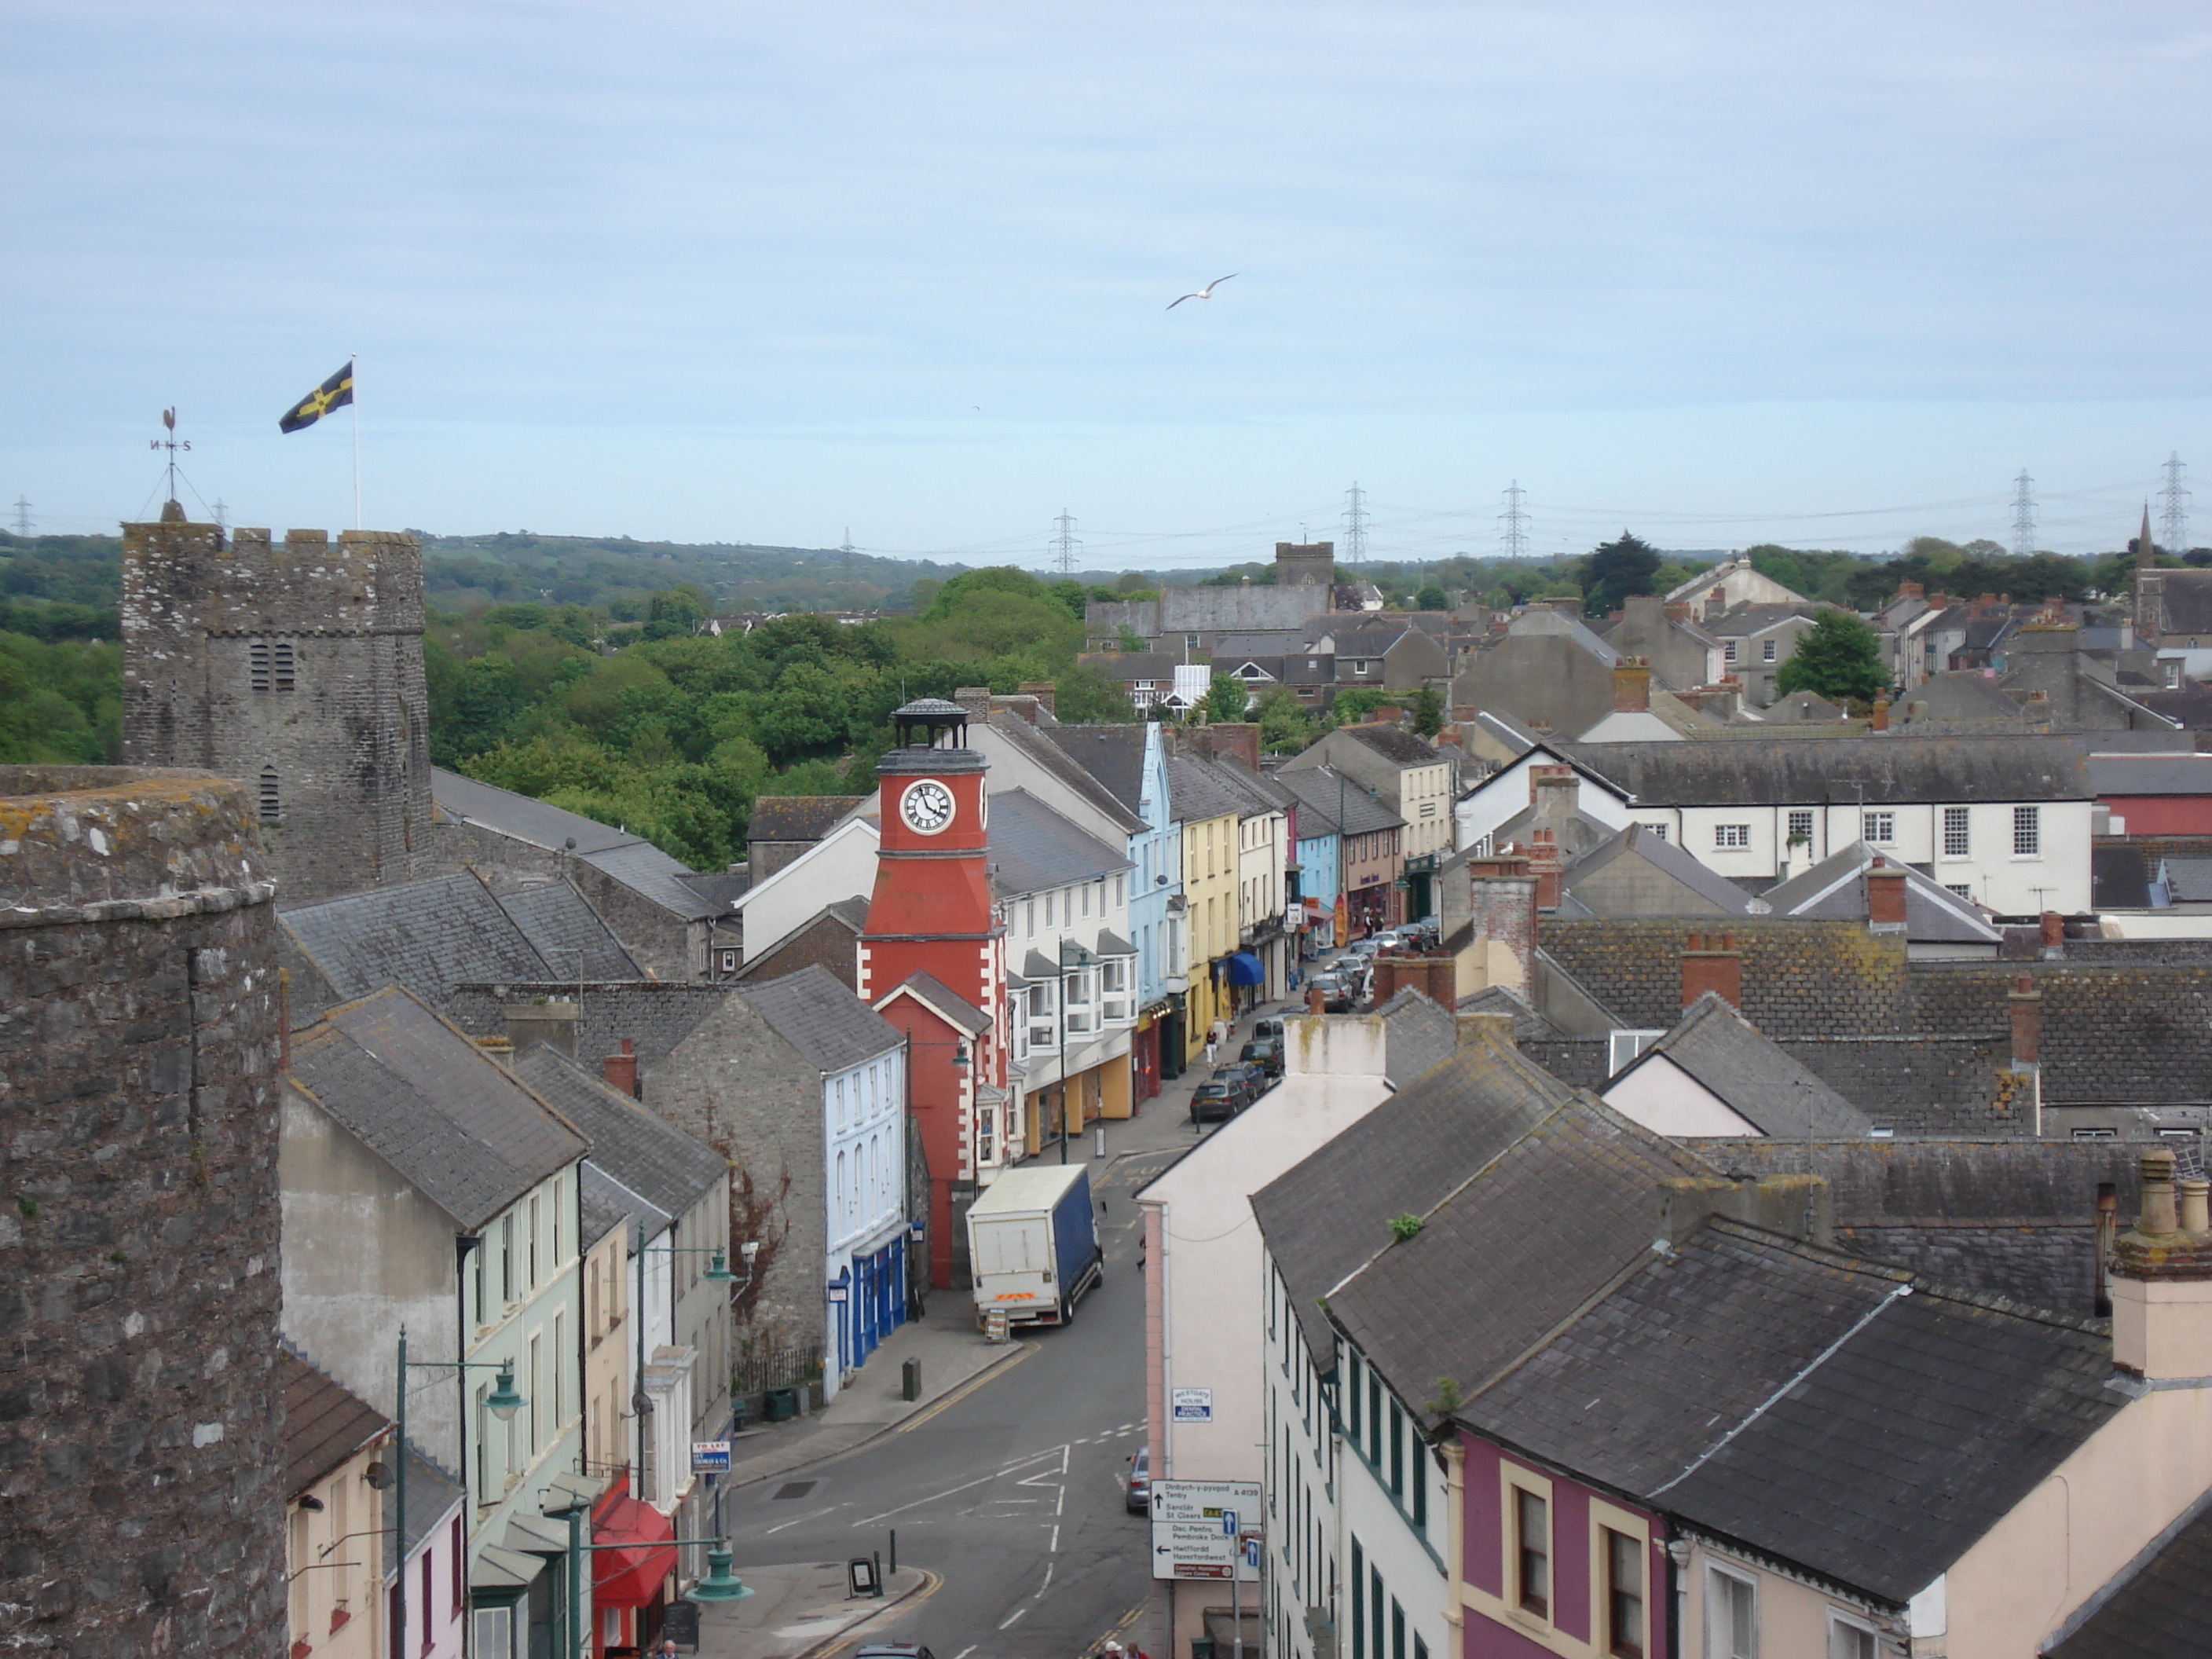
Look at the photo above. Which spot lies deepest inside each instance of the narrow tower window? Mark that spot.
(283, 665)
(271, 802)
(258, 660)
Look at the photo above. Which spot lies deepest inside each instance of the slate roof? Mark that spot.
(956, 1010)
(2119, 878)
(325, 1423)
(601, 1203)
(1726, 1320)
(1508, 729)
(1032, 847)
(1373, 640)
(1056, 758)
(1758, 1082)
(1322, 791)
(1328, 1215)
(1113, 754)
(1510, 1250)
(1195, 792)
(813, 1012)
(653, 1159)
(2187, 881)
(1128, 666)
(1637, 841)
(1858, 1422)
(1835, 886)
(429, 1102)
(567, 934)
(1417, 1034)
(721, 889)
(1395, 744)
(428, 936)
(2159, 1603)
(2177, 774)
(520, 816)
(797, 818)
(1904, 1445)
(651, 874)
(634, 862)
(1746, 619)
(1890, 769)
(432, 1495)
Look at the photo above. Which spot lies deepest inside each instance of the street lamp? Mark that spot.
(503, 1403)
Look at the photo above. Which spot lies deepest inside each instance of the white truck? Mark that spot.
(1033, 1244)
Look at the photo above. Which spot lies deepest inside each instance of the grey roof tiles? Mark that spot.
(813, 1012)
(653, 1159)
(1033, 847)
(1880, 771)
(432, 1104)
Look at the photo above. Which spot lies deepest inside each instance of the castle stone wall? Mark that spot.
(141, 1501)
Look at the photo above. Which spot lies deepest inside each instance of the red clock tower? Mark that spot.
(932, 913)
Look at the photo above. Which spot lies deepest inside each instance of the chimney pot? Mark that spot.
(1881, 712)
(1315, 1000)
(2054, 930)
(2158, 1217)
(2194, 1211)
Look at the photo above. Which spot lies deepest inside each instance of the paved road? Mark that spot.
(1010, 1492)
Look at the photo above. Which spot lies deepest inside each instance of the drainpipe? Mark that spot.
(1678, 1590)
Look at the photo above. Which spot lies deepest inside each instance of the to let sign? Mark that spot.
(710, 1456)
(1194, 1528)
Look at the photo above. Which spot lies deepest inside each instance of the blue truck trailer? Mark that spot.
(1033, 1244)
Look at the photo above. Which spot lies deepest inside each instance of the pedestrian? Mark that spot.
(667, 1649)
(1212, 1041)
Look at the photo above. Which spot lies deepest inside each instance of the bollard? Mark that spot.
(910, 1380)
(878, 1558)
(1102, 1140)
(894, 1549)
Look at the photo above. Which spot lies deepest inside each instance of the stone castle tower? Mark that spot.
(141, 1419)
(295, 667)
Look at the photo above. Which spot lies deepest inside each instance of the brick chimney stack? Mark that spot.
(1545, 864)
(1710, 962)
(621, 1070)
(1501, 910)
(2054, 934)
(1555, 792)
(2026, 1004)
(1885, 890)
(1631, 686)
(2162, 1280)
(1882, 711)
(1042, 690)
(976, 700)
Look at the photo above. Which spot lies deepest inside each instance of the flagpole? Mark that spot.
(353, 362)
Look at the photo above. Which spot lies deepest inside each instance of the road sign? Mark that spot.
(1195, 1528)
(1192, 1405)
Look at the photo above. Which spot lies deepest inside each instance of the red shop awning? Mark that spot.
(630, 1577)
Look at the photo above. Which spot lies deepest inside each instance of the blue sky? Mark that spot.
(1827, 275)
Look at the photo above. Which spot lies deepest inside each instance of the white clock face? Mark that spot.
(927, 806)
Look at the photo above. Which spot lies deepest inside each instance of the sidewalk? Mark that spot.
(952, 1352)
(795, 1610)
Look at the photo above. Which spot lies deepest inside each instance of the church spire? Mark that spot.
(2145, 551)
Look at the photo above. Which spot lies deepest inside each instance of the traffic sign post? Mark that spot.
(1196, 1527)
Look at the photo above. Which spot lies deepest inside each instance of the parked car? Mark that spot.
(1268, 1028)
(1248, 1079)
(1337, 991)
(893, 1650)
(1138, 1491)
(1267, 1053)
(1214, 1102)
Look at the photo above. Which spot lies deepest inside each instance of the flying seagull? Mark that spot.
(1205, 293)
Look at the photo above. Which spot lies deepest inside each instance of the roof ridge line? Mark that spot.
(1767, 1404)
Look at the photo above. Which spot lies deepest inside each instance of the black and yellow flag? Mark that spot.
(333, 394)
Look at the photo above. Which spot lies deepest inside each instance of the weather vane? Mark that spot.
(173, 444)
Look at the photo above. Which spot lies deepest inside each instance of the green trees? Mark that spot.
(1227, 698)
(1616, 570)
(1839, 657)
(1427, 709)
(60, 701)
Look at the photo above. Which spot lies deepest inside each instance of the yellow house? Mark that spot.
(1206, 816)
(335, 1472)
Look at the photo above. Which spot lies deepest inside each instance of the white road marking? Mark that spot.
(817, 1516)
(980, 1480)
(1054, 1547)
(1012, 1617)
(1047, 1585)
(965, 1651)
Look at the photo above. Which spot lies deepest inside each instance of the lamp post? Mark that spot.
(1082, 959)
(503, 1403)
